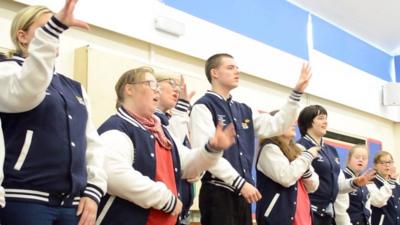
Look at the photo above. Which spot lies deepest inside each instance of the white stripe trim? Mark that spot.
(213, 93)
(128, 118)
(26, 196)
(94, 190)
(219, 184)
(271, 205)
(93, 195)
(381, 220)
(25, 191)
(103, 213)
(24, 151)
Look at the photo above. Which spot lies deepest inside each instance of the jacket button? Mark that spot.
(72, 144)
(151, 136)
(69, 117)
(176, 169)
(152, 155)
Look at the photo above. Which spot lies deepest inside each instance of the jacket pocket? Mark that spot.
(24, 150)
(272, 204)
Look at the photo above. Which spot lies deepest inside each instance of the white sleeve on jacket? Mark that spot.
(380, 196)
(202, 128)
(341, 205)
(97, 177)
(126, 182)
(266, 125)
(2, 153)
(25, 88)
(311, 183)
(345, 185)
(275, 165)
(179, 121)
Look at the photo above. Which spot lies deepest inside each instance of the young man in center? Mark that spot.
(226, 194)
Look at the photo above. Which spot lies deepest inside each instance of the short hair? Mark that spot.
(130, 76)
(354, 148)
(214, 62)
(381, 154)
(307, 116)
(23, 21)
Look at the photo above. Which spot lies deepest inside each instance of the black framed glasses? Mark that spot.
(172, 82)
(387, 163)
(151, 83)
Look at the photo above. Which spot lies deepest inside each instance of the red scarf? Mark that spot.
(154, 126)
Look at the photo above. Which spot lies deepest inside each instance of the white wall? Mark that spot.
(354, 107)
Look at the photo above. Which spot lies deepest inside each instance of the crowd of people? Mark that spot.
(139, 166)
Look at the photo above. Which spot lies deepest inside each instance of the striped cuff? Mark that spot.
(54, 27)
(307, 155)
(211, 150)
(93, 192)
(170, 206)
(353, 184)
(238, 183)
(307, 174)
(295, 95)
(182, 105)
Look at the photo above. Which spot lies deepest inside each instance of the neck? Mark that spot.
(133, 109)
(224, 92)
(356, 172)
(316, 138)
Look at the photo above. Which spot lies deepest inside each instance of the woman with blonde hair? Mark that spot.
(53, 163)
(145, 162)
(285, 177)
(173, 111)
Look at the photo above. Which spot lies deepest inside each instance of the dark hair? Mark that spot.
(307, 116)
(214, 62)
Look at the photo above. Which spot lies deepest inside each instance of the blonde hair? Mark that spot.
(23, 21)
(129, 77)
(161, 75)
(354, 148)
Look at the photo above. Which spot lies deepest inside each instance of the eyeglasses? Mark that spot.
(386, 162)
(172, 82)
(151, 83)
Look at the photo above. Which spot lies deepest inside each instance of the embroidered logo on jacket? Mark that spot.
(221, 119)
(245, 123)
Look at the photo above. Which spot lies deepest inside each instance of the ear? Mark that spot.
(22, 37)
(214, 73)
(129, 90)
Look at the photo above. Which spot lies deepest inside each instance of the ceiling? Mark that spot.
(376, 22)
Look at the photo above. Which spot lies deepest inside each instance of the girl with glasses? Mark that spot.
(385, 191)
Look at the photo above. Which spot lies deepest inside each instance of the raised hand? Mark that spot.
(365, 179)
(314, 150)
(66, 16)
(223, 137)
(250, 193)
(183, 91)
(304, 78)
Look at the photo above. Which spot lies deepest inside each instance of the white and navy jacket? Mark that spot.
(385, 201)
(130, 163)
(359, 209)
(2, 152)
(331, 180)
(53, 152)
(277, 180)
(234, 169)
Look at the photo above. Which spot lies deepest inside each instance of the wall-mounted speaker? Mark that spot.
(391, 94)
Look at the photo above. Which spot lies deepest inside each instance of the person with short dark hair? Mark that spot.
(313, 122)
(228, 188)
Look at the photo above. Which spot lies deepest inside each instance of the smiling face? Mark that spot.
(319, 126)
(358, 159)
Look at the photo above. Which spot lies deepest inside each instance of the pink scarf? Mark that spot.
(154, 126)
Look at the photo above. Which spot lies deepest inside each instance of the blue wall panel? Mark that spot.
(349, 49)
(274, 22)
(397, 66)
